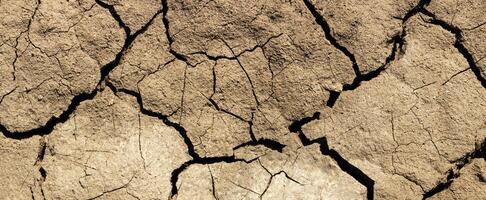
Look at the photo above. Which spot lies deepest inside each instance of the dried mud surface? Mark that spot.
(217, 99)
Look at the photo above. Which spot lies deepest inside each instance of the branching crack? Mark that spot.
(196, 158)
(327, 32)
(204, 161)
(76, 100)
(458, 44)
(356, 173)
(272, 175)
(398, 43)
(165, 119)
(453, 173)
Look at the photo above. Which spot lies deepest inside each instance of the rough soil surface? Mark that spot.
(258, 99)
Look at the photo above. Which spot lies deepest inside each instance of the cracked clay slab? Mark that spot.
(218, 99)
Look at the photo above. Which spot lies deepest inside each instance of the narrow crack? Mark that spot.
(458, 44)
(327, 32)
(165, 21)
(6, 94)
(29, 24)
(140, 151)
(398, 47)
(42, 151)
(453, 173)
(76, 100)
(398, 41)
(113, 190)
(213, 184)
(165, 119)
(115, 16)
(216, 106)
(415, 10)
(344, 165)
(272, 175)
(271, 144)
(204, 161)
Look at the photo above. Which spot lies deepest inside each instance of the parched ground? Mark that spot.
(257, 99)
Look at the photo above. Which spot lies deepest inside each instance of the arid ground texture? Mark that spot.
(246, 99)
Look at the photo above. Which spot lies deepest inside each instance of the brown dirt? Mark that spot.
(216, 99)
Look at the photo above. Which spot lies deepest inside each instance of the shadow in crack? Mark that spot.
(356, 173)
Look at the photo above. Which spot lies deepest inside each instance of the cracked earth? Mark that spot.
(216, 99)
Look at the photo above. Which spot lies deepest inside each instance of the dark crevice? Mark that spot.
(43, 173)
(213, 184)
(32, 193)
(250, 125)
(415, 10)
(397, 42)
(458, 45)
(333, 97)
(296, 126)
(52, 122)
(216, 106)
(196, 159)
(478, 153)
(327, 32)
(398, 47)
(441, 186)
(204, 161)
(43, 177)
(165, 119)
(42, 152)
(350, 169)
(271, 144)
(115, 16)
(105, 70)
(344, 165)
(165, 21)
(76, 100)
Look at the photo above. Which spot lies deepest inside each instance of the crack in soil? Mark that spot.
(453, 173)
(196, 158)
(344, 165)
(327, 32)
(457, 44)
(76, 100)
(295, 126)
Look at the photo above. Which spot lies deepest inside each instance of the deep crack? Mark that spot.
(458, 44)
(76, 100)
(478, 153)
(356, 173)
(327, 32)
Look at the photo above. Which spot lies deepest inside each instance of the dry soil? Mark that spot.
(247, 99)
